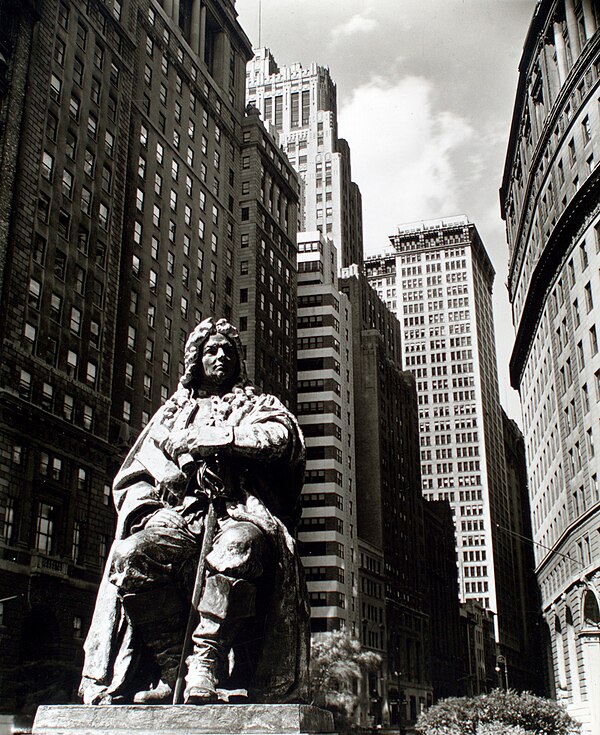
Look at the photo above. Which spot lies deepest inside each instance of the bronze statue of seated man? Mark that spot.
(218, 470)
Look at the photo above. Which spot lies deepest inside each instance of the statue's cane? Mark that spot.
(211, 485)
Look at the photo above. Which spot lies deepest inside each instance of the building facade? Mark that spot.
(448, 669)
(266, 278)
(327, 531)
(120, 218)
(301, 104)
(389, 506)
(439, 282)
(550, 200)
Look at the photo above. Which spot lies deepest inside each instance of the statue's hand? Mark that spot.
(177, 442)
(166, 518)
(210, 440)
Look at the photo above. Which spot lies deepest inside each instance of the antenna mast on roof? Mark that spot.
(259, 23)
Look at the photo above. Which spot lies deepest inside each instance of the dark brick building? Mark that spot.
(267, 293)
(120, 134)
(388, 495)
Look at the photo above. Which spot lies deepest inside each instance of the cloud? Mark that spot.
(406, 155)
(359, 23)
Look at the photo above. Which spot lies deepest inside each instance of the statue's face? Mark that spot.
(219, 361)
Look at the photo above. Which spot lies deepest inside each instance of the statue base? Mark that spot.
(181, 719)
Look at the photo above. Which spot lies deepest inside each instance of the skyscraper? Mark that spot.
(439, 282)
(266, 278)
(550, 200)
(327, 531)
(302, 105)
(389, 507)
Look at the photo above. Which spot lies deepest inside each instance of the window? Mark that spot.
(67, 184)
(131, 337)
(24, 384)
(44, 530)
(60, 265)
(103, 216)
(89, 162)
(64, 224)
(34, 293)
(63, 16)
(47, 399)
(166, 361)
(55, 87)
(47, 165)
(589, 301)
(56, 307)
(106, 179)
(7, 522)
(109, 143)
(72, 360)
(126, 411)
(95, 334)
(78, 73)
(88, 417)
(75, 321)
(81, 39)
(86, 200)
(91, 373)
(68, 405)
(92, 126)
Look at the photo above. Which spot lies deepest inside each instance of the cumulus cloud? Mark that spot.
(360, 23)
(405, 154)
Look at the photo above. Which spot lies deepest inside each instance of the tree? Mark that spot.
(496, 713)
(337, 665)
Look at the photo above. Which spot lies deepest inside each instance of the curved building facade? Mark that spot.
(550, 200)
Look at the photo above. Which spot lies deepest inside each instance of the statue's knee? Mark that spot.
(239, 551)
(123, 566)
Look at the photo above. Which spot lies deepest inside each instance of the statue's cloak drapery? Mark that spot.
(268, 496)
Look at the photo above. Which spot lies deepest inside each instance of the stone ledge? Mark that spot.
(219, 719)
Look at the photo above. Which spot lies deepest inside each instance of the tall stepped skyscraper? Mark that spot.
(301, 104)
(439, 283)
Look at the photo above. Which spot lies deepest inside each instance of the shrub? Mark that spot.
(495, 713)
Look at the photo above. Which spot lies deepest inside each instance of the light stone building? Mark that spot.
(327, 531)
(301, 104)
(550, 200)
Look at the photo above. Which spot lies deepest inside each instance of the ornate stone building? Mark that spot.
(550, 200)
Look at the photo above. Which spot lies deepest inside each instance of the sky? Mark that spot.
(425, 92)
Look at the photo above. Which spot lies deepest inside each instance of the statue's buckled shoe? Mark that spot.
(202, 689)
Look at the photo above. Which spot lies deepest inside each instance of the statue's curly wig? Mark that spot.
(195, 344)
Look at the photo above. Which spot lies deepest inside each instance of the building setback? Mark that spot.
(119, 230)
(301, 103)
(327, 531)
(550, 200)
(389, 505)
(439, 282)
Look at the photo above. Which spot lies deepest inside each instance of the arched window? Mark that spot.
(591, 611)
(561, 669)
(572, 656)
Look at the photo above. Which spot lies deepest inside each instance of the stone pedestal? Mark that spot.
(218, 719)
